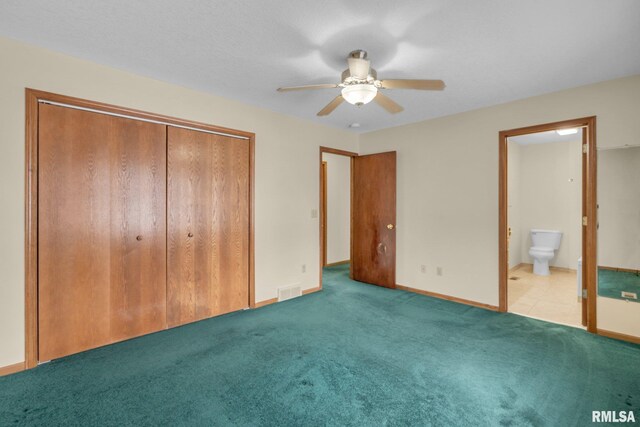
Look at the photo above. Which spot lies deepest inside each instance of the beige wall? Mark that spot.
(619, 208)
(448, 187)
(547, 179)
(338, 207)
(447, 177)
(286, 168)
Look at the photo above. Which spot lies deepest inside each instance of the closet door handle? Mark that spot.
(190, 234)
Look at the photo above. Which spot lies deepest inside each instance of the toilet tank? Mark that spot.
(546, 238)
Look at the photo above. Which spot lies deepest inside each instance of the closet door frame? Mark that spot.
(32, 100)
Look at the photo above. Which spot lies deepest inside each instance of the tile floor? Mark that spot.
(553, 298)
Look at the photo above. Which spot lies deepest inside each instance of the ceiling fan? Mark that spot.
(360, 85)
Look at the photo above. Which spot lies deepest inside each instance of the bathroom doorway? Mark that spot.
(548, 222)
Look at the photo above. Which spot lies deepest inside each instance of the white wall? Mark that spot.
(547, 179)
(286, 168)
(619, 208)
(448, 187)
(338, 207)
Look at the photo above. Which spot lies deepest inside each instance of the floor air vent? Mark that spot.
(288, 292)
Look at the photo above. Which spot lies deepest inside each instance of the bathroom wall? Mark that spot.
(514, 203)
(619, 208)
(550, 196)
(338, 207)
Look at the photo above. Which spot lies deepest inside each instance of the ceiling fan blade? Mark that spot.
(359, 68)
(305, 87)
(387, 103)
(331, 106)
(413, 84)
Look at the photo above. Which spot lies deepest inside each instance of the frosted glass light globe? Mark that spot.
(359, 94)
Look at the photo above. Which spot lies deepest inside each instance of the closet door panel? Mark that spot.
(207, 225)
(233, 191)
(74, 242)
(101, 185)
(189, 235)
(138, 228)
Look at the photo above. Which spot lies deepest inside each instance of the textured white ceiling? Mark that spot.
(487, 51)
(545, 138)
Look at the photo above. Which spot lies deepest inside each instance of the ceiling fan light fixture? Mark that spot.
(359, 94)
(360, 85)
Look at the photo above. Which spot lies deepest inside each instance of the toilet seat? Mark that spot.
(541, 252)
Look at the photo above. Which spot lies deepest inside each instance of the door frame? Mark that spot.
(33, 98)
(323, 211)
(589, 205)
(322, 226)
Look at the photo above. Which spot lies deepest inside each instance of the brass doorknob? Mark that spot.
(390, 226)
(190, 234)
(138, 238)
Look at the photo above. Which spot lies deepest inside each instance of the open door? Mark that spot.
(373, 219)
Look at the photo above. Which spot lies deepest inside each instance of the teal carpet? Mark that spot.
(352, 354)
(612, 283)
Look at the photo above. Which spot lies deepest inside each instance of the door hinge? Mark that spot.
(584, 221)
(585, 148)
(584, 294)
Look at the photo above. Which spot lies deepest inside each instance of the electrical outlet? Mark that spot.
(304, 268)
(423, 268)
(439, 271)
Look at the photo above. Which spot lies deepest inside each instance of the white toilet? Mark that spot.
(544, 245)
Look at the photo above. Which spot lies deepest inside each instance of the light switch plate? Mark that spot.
(314, 213)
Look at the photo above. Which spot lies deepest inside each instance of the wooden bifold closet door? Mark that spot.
(208, 225)
(141, 226)
(101, 230)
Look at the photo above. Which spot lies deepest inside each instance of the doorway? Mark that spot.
(543, 259)
(368, 229)
(335, 208)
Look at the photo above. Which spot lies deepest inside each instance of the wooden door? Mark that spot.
(208, 225)
(101, 230)
(373, 210)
